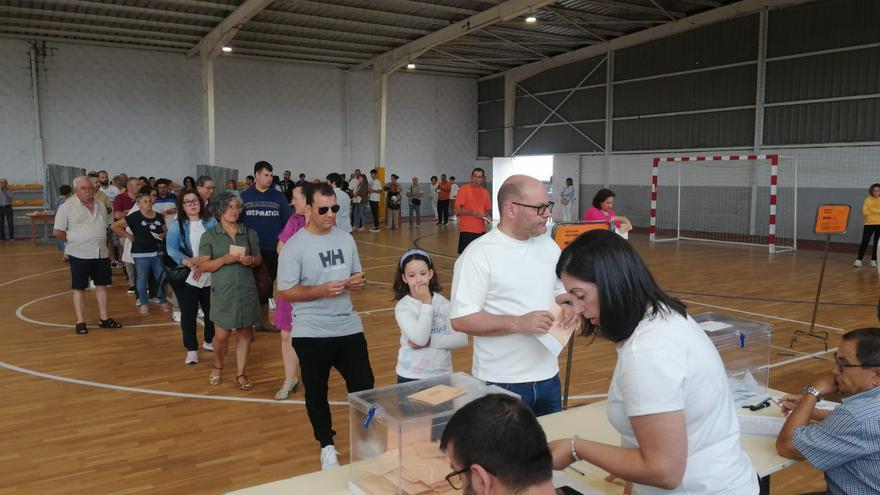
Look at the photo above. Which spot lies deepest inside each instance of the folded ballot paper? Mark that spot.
(557, 337)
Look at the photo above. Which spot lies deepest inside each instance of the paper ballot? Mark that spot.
(713, 326)
(765, 426)
(204, 279)
(557, 337)
(236, 250)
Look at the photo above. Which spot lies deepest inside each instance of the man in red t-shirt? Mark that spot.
(473, 207)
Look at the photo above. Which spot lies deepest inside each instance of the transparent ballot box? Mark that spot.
(744, 346)
(395, 437)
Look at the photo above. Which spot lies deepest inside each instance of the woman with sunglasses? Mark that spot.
(668, 397)
(229, 251)
(184, 235)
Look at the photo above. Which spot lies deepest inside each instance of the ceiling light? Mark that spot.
(411, 66)
(227, 49)
(531, 19)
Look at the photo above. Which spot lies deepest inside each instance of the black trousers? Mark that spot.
(270, 258)
(316, 356)
(867, 232)
(442, 211)
(189, 298)
(465, 238)
(6, 217)
(374, 210)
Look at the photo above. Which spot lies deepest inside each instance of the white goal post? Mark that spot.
(736, 199)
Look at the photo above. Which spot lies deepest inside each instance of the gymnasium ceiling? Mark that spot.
(348, 33)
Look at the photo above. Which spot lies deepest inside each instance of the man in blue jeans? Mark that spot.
(503, 287)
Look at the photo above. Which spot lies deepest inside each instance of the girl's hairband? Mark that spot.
(412, 252)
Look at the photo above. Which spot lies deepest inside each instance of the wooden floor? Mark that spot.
(116, 411)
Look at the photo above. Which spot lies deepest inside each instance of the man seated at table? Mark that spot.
(845, 443)
(495, 445)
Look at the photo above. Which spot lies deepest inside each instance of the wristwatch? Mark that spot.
(809, 389)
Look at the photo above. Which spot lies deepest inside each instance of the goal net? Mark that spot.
(747, 199)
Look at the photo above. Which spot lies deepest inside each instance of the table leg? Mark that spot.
(764, 484)
(33, 229)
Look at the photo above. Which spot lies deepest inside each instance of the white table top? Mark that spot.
(588, 421)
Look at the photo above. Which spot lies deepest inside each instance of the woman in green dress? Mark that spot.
(229, 252)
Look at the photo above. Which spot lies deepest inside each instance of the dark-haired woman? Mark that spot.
(601, 211)
(668, 398)
(182, 246)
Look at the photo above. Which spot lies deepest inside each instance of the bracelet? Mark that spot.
(574, 454)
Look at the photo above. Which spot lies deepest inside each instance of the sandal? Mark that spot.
(215, 379)
(286, 389)
(81, 328)
(243, 382)
(109, 323)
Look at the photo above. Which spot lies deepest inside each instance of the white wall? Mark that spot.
(141, 112)
(17, 162)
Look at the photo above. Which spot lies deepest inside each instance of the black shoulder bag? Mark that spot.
(175, 273)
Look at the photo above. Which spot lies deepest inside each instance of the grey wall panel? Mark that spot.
(829, 122)
(490, 115)
(582, 105)
(566, 76)
(491, 89)
(722, 43)
(558, 139)
(729, 87)
(704, 130)
(822, 76)
(822, 25)
(490, 143)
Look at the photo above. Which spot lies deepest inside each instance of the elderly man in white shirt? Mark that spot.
(82, 224)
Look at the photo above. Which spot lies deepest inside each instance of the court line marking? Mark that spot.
(19, 313)
(764, 299)
(182, 395)
(838, 330)
(31, 276)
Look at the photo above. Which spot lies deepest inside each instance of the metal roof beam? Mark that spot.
(305, 41)
(573, 23)
(361, 13)
(319, 32)
(114, 7)
(209, 47)
(101, 18)
(510, 9)
(345, 23)
(448, 9)
(358, 56)
(634, 8)
(519, 45)
(95, 36)
(533, 34)
(85, 28)
(309, 56)
(88, 42)
(591, 17)
(452, 56)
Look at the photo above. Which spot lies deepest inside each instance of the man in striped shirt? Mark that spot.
(845, 442)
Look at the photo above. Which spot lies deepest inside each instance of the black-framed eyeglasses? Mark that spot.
(541, 209)
(842, 365)
(191, 202)
(455, 478)
(324, 209)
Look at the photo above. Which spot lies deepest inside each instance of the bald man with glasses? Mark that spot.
(503, 287)
(845, 442)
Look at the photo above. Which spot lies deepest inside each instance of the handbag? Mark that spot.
(264, 281)
(563, 201)
(415, 201)
(175, 273)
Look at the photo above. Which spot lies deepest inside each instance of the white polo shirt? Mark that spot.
(505, 276)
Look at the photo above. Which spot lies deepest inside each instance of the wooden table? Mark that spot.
(588, 421)
(37, 216)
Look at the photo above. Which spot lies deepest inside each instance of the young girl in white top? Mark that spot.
(423, 317)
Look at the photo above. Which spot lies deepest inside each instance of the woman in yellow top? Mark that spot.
(871, 211)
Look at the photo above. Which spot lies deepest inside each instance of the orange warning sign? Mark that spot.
(832, 219)
(565, 233)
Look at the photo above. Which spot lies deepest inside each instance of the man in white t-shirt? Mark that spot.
(453, 193)
(376, 189)
(502, 289)
(343, 217)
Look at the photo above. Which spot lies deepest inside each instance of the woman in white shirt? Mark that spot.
(668, 397)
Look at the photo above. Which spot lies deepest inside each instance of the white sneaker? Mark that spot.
(857, 263)
(192, 357)
(175, 316)
(874, 263)
(91, 284)
(329, 458)
(200, 314)
(272, 303)
(208, 346)
(154, 300)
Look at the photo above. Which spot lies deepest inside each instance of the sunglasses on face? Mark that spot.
(324, 209)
